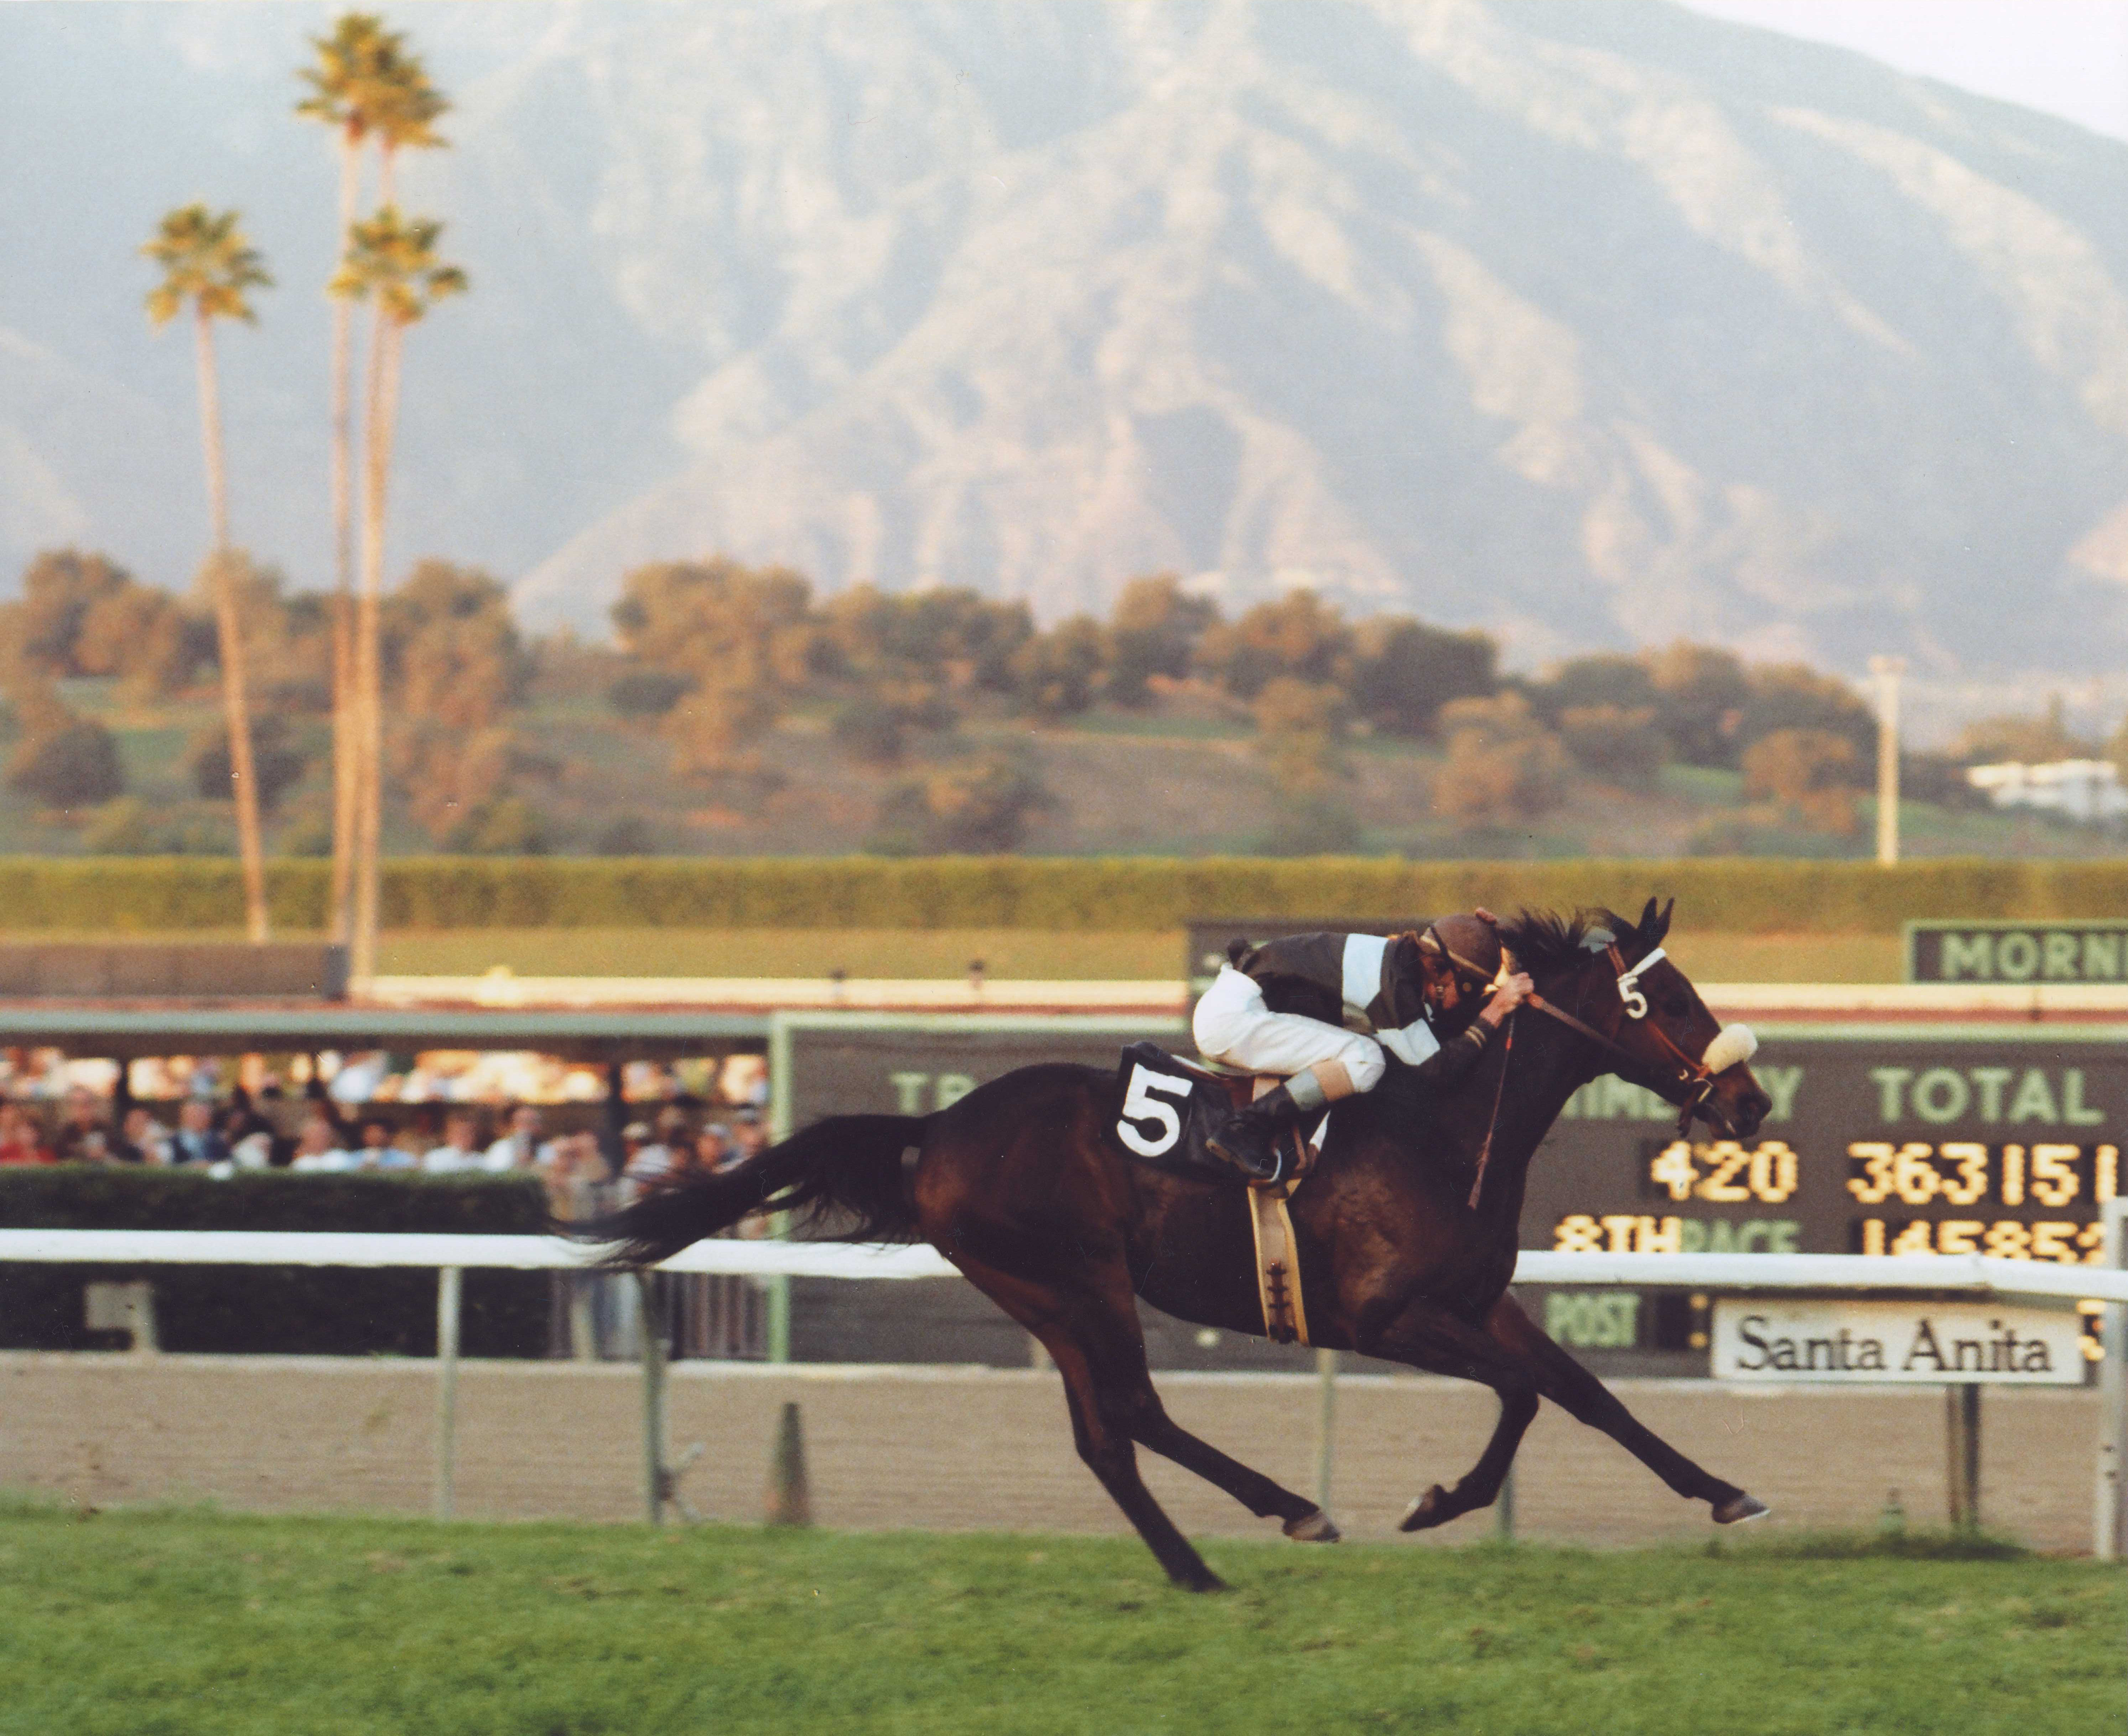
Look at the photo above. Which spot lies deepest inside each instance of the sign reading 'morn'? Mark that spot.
(2075, 951)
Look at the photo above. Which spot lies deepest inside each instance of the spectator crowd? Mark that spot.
(251, 1118)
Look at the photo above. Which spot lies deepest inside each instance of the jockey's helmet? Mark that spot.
(1468, 946)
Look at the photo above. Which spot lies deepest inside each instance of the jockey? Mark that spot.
(1289, 1007)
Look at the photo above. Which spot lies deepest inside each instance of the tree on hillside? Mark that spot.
(905, 662)
(277, 764)
(154, 646)
(1404, 671)
(982, 806)
(455, 669)
(1700, 694)
(1056, 674)
(80, 614)
(351, 79)
(1811, 772)
(1616, 744)
(950, 639)
(1602, 678)
(740, 636)
(1503, 768)
(2034, 740)
(1301, 727)
(392, 262)
(209, 266)
(1794, 696)
(60, 588)
(1153, 630)
(72, 766)
(1299, 636)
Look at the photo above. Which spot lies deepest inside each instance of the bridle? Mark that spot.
(1732, 1044)
(1695, 1075)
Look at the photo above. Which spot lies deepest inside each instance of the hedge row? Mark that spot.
(1737, 895)
(275, 1310)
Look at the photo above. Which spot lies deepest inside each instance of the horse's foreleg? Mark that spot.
(1430, 1338)
(1078, 1330)
(1479, 1487)
(1586, 1399)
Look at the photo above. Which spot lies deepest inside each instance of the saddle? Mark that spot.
(1169, 1106)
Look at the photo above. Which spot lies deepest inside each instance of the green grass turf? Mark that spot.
(146, 1624)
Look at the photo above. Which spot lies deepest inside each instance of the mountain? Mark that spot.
(1592, 325)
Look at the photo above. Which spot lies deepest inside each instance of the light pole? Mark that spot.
(1887, 670)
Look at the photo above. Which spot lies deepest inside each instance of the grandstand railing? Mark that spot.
(450, 1256)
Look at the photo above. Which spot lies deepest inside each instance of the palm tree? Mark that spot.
(363, 85)
(405, 120)
(346, 83)
(390, 261)
(208, 265)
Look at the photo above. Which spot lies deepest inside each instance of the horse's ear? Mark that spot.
(1650, 934)
(1662, 921)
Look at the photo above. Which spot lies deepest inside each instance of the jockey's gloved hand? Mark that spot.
(1512, 991)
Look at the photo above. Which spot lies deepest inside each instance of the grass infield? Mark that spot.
(1099, 956)
(1037, 954)
(152, 1623)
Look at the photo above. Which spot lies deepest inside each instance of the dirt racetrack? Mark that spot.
(954, 1448)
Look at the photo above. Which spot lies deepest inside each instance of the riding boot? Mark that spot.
(1254, 1139)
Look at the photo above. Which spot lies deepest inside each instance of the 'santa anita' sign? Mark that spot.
(1938, 1344)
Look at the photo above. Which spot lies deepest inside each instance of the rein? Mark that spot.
(1499, 1091)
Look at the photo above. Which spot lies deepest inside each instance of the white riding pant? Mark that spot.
(1233, 1025)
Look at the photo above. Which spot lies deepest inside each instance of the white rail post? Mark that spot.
(656, 1478)
(2105, 1515)
(1888, 672)
(449, 1284)
(1326, 1424)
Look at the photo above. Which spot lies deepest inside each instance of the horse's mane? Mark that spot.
(1543, 941)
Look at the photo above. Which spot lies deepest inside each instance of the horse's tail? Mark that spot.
(846, 1170)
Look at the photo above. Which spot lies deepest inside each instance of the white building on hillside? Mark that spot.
(2081, 789)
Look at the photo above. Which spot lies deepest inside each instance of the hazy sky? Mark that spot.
(2066, 57)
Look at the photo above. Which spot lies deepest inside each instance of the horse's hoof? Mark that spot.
(1314, 1528)
(1426, 1512)
(1208, 1581)
(1739, 1508)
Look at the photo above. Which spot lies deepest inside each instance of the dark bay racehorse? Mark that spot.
(1023, 1185)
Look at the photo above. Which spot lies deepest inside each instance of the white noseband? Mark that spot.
(1734, 1044)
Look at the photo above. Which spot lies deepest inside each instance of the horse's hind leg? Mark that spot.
(1586, 1399)
(1070, 1323)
